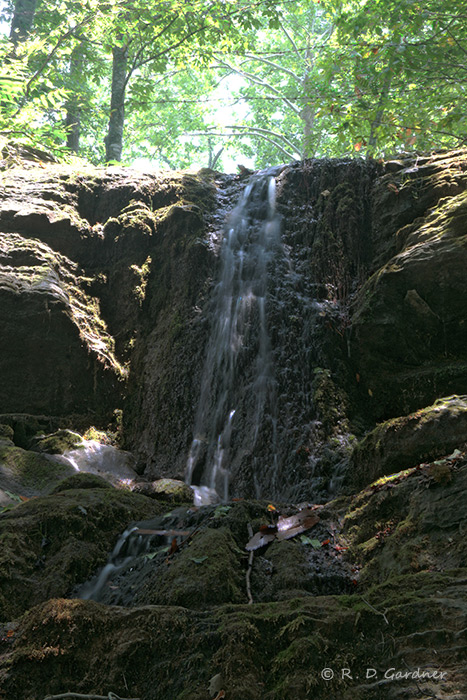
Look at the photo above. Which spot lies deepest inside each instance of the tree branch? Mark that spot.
(261, 82)
(134, 64)
(251, 132)
(273, 65)
(268, 132)
(294, 45)
(52, 53)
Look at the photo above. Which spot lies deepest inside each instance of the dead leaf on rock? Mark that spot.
(285, 529)
(296, 524)
(259, 540)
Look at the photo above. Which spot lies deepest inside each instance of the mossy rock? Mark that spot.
(31, 472)
(58, 442)
(6, 432)
(401, 443)
(170, 490)
(275, 651)
(410, 522)
(206, 573)
(409, 319)
(49, 544)
(82, 480)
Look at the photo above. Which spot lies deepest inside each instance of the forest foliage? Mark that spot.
(183, 82)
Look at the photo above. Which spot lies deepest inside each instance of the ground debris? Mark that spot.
(85, 696)
(285, 529)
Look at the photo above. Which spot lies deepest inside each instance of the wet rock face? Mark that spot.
(106, 287)
(408, 326)
(366, 319)
(95, 269)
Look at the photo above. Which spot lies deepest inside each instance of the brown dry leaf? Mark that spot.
(167, 533)
(259, 540)
(173, 548)
(286, 529)
(296, 524)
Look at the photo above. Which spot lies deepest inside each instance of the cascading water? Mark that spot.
(238, 389)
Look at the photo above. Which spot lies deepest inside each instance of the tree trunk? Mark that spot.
(114, 139)
(73, 106)
(23, 17)
(308, 112)
(376, 123)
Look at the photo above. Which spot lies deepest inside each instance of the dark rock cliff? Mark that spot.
(106, 285)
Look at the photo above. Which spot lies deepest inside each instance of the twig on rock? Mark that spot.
(85, 696)
(250, 566)
(383, 615)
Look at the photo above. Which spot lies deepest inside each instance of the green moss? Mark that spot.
(81, 481)
(400, 443)
(49, 544)
(58, 442)
(6, 432)
(203, 574)
(31, 469)
(141, 274)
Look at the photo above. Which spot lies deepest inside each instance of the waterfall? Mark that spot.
(238, 389)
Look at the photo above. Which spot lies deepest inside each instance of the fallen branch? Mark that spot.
(426, 692)
(81, 696)
(383, 615)
(250, 566)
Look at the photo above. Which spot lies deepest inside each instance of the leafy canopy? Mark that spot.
(206, 81)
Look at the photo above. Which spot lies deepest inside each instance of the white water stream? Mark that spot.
(239, 347)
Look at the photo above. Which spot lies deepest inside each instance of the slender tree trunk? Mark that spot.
(114, 139)
(23, 17)
(380, 110)
(213, 157)
(73, 106)
(308, 112)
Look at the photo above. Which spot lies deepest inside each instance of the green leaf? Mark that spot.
(199, 560)
(151, 555)
(221, 511)
(316, 544)
(13, 496)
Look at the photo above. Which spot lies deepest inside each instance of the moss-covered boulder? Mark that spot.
(170, 490)
(29, 473)
(409, 331)
(403, 442)
(411, 521)
(57, 442)
(49, 544)
(82, 480)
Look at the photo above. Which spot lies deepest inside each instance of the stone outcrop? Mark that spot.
(409, 340)
(105, 281)
(377, 587)
(100, 275)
